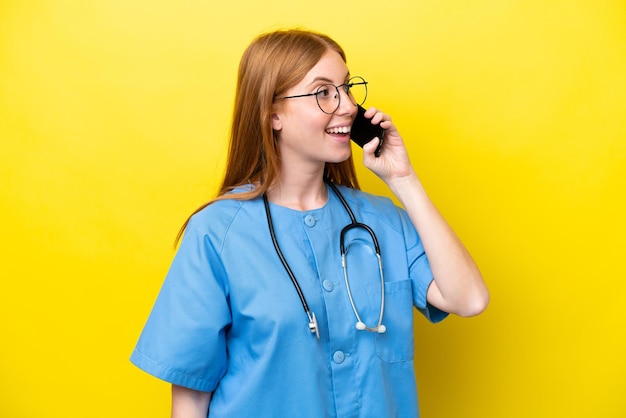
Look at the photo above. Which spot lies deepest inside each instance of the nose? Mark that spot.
(346, 103)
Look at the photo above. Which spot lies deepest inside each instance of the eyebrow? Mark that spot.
(328, 80)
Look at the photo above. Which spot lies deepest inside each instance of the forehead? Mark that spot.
(330, 68)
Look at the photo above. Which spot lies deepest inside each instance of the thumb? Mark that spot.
(371, 146)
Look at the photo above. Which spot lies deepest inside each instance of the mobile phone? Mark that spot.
(363, 131)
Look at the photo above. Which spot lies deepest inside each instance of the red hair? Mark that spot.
(273, 63)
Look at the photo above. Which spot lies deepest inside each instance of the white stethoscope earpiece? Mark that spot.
(381, 329)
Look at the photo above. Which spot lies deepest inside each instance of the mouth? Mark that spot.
(338, 130)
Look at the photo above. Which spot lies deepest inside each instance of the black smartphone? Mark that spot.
(363, 131)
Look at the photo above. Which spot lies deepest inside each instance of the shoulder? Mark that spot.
(217, 218)
(367, 202)
(219, 209)
(381, 212)
(378, 208)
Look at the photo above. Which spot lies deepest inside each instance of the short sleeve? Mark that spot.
(183, 341)
(419, 271)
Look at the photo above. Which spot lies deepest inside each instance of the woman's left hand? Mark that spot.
(393, 162)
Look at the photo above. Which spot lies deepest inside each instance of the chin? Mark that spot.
(340, 157)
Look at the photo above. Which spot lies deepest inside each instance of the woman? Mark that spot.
(260, 315)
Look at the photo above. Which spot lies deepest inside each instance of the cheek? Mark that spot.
(305, 121)
(319, 121)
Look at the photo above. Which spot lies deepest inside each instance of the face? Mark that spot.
(308, 137)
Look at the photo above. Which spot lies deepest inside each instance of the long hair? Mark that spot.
(273, 63)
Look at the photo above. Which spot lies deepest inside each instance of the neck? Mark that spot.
(299, 191)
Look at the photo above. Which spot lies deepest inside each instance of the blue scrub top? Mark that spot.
(228, 319)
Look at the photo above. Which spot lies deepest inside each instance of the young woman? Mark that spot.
(292, 293)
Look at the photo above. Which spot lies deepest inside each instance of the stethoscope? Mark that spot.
(360, 325)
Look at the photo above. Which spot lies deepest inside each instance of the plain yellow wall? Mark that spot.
(113, 123)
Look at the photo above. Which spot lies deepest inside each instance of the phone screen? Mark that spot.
(363, 131)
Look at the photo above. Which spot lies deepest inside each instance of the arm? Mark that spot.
(189, 403)
(458, 286)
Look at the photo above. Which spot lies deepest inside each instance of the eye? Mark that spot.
(323, 92)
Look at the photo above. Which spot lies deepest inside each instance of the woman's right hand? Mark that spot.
(393, 162)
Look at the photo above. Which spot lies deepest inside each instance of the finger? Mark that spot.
(380, 117)
(371, 146)
(370, 112)
(386, 124)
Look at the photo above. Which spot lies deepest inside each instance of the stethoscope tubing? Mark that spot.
(360, 325)
(343, 250)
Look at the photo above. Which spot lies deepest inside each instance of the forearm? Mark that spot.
(189, 403)
(458, 286)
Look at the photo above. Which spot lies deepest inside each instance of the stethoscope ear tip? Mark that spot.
(381, 329)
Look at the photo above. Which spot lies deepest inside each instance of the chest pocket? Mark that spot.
(396, 344)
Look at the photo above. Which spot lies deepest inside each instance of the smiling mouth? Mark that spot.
(339, 130)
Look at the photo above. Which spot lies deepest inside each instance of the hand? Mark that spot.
(393, 162)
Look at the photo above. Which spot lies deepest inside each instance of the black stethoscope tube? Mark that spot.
(311, 315)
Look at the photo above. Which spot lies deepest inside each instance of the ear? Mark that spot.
(276, 117)
(276, 122)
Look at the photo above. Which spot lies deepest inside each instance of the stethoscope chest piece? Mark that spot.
(313, 325)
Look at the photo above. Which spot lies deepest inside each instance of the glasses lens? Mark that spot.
(327, 98)
(357, 90)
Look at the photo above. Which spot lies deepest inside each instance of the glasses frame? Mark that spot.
(353, 81)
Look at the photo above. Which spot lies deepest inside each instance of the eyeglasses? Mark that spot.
(328, 97)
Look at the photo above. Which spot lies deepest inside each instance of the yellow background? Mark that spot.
(113, 123)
